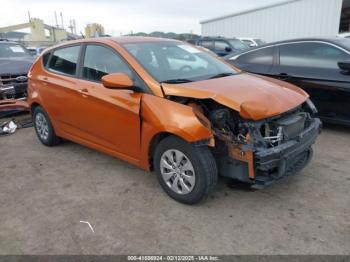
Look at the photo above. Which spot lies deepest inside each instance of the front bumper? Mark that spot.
(287, 159)
(13, 91)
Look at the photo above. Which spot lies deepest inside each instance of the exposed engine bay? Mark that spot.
(243, 148)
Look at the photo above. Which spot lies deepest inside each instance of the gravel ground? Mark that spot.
(46, 192)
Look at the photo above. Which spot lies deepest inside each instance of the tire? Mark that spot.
(43, 128)
(193, 178)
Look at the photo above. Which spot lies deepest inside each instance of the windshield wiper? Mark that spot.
(177, 81)
(221, 75)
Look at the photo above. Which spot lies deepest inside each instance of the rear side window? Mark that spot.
(100, 61)
(221, 45)
(65, 60)
(207, 44)
(262, 57)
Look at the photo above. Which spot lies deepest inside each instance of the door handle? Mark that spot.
(83, 90)
(45, 81)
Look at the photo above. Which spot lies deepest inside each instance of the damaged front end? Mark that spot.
(259, 152)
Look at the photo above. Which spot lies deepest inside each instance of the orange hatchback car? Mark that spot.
(167, 106)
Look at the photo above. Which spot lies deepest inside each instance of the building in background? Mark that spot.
(40, 34)
(94, 30)
(284, 20)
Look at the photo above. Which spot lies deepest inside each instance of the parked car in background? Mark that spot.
(252, 42)
(35, 51)
(128, 97)
(320, 66)
(344, 35)
(219, 45)
(15, 61)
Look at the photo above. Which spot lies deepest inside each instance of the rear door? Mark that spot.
(258, 61)
(313, 66)
(60, 86)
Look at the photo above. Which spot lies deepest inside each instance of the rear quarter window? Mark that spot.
(64, 60)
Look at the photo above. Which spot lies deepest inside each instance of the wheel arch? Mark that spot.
(156, 139)
(33, 106)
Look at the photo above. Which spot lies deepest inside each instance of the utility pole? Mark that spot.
(75, 27)
(29, 16)
(62, 20)
(56, 19)
(71, 26)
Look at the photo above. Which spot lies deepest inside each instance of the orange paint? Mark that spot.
(124, 123)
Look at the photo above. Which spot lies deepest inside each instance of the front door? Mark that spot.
(107, 117)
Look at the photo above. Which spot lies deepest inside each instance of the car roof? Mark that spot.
(118, 40)
(216, 38)
(341, 42)
(333, 40)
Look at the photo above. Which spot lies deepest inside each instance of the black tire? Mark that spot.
(202, 161)
(51, 139)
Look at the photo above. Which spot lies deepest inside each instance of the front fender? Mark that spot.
(159, 115)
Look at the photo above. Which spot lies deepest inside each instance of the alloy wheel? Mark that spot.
(41, 126)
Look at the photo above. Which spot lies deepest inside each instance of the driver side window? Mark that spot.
(100, 61)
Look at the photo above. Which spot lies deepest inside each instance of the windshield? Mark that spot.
(176, 62)
(238, 44)
(9, 50)
(259, 41)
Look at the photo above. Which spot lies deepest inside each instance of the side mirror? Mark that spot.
(117, 81)
(228, 49)
(344, 65)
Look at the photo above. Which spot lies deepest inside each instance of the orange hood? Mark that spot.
(254, 97)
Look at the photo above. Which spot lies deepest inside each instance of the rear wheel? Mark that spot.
(44, 128)
(186, 173)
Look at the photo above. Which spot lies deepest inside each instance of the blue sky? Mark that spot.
(122, 16)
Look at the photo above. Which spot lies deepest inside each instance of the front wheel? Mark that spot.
(186, 173)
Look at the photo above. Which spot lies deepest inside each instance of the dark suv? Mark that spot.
(221, 46)
(15, 62)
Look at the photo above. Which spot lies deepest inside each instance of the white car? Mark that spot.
(251, 42)
(344, 35)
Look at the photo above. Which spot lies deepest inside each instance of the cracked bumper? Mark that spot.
(287, 159)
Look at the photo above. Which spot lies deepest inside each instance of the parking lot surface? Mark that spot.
(46, 192)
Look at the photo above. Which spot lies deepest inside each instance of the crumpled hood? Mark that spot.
(254, 97)
(15, 66)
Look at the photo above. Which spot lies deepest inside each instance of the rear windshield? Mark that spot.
(259, 41)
